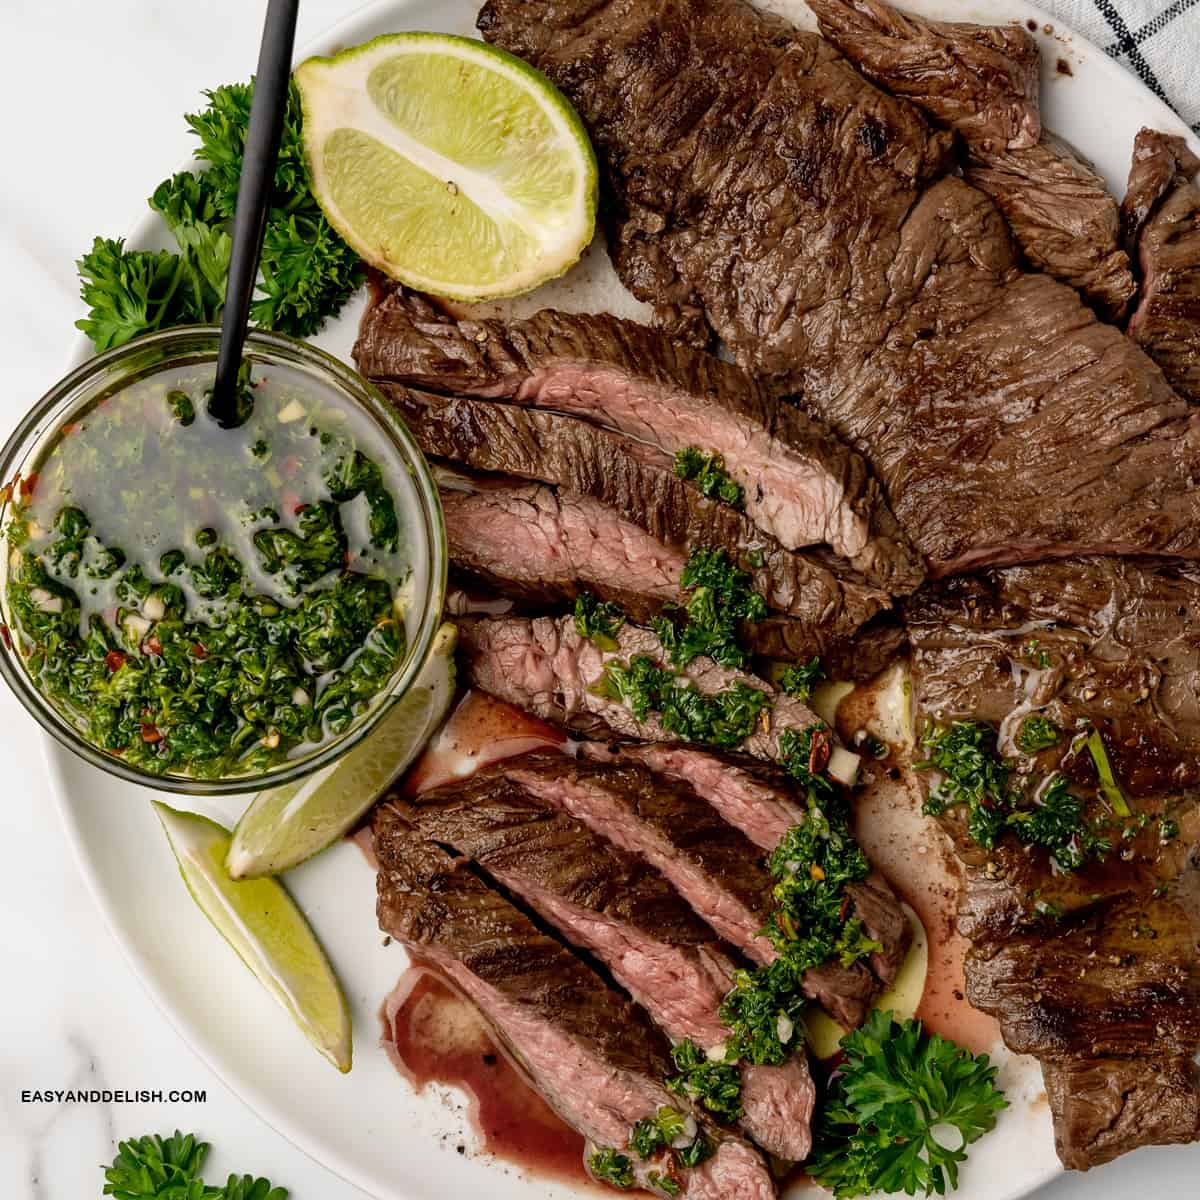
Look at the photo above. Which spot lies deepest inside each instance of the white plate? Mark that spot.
(369, 1126)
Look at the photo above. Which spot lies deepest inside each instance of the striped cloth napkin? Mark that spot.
(1159, 40)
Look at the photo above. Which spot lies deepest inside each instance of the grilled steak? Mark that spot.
(544, 665)
(982, 81)
(1095, 971)
(541, 546)
(638, 482)
(762, 185)
(589, 1051)
(763, 805)
(1161, 221)
(613, 905)
(801, 485)
(720, 873)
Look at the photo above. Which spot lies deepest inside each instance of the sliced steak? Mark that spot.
(1161, 220)
(638, 482)
(1094, 971)
(720, 873)
(982, 80)
(801, 484)
(545, 666)
(1106, 1105)
(624, 912)
(1062, 216)
(543, 546)
(763, 805)
(762, 186)
(589, 1051)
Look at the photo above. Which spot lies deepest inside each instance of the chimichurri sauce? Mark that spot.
(203, 601)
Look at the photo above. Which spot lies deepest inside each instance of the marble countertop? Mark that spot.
(91, 98)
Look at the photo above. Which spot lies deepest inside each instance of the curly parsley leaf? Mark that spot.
(598, 620)
(715, 1083)
(707, 472)
(129, 292)
(307, 271)
(1036, 733)
(800, 679)
(169, 1169)
(884, 1128)
(611, 1167)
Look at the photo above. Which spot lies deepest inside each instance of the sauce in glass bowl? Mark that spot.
(212, 603)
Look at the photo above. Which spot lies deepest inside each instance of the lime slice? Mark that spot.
(448, 164)
(262, 923)
(286, 825)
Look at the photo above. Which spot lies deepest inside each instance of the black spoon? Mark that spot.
(267, 111)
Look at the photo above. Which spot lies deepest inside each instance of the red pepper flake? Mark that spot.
(821, 748)
(6, 635)
(290, 501)
(198, 650)
(151, 734)
(845, 910)
(152, 645)
(298, 507)
(28, 484)
(349, 557)
(6, 493)
(114, 660)
(71, 427)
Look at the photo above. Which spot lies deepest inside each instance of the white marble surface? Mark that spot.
(90, 102)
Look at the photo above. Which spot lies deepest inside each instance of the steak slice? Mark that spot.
(982, 81)
(1094, 971)
(624, 912)
(715, 869)
(1061, 213)
(1161, 220)
(763, 805)
(638, 482)
(544, 665)
(546, 547)
(801, 484)
(1106, 1105)
(763, 187)
(589, 1051)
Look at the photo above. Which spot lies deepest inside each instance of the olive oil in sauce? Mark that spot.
(205, 601)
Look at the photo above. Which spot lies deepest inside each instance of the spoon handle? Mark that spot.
(267, 112)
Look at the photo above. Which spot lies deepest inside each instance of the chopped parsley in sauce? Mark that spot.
(209, 602)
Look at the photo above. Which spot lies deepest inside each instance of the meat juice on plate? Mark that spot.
(206, 601)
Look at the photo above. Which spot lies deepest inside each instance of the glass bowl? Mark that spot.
(193, 346)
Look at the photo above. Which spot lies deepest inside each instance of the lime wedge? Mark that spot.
(448, 164)
(262, 923)
(286, 825)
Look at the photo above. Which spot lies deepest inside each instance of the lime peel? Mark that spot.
(267, 930)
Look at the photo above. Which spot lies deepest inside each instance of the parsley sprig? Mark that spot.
(156, 1168)
(707, 472)
(307, 271)
(884, 1126)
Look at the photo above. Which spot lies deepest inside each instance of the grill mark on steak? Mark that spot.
(542, 664)
(1106, 990)
(589, 1051)
(530, 542)
(983, 82)
(1161, 221)
(763, 805)
(624, 912)
(801, 485)
(1005, 423)
(638, 483)
(713, 867)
